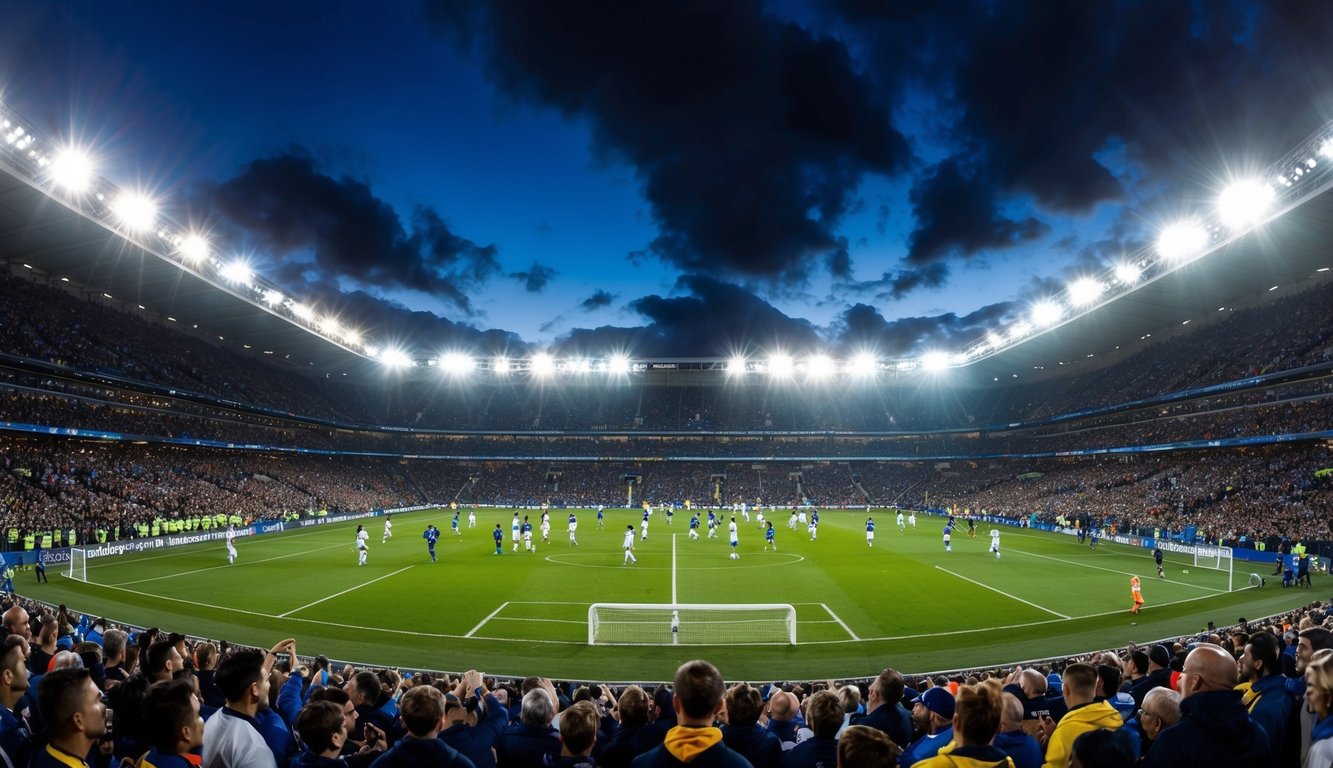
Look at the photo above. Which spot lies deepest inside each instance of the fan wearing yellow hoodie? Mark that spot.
(1085, 714)
(697, 699)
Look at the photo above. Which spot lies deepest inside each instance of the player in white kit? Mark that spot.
(629, 546)
(231, 547)
(361, 536)
(388, 529)
(995, 542)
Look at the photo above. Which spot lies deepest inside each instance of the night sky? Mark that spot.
(679, 178)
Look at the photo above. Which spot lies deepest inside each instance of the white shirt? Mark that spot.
(361, 537)
(995, 537)
(231, 741)
(629, 539)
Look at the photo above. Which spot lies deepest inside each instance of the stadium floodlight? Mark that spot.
(72, 170)
(737, 366)
(395, 358)
(329, 325)
(457, 363)
(273, 298)
(1085, 291)
(194, 247)
(1244, 204)
(1019, 331)
(863, 364)
(935, 361)
(780, 365)
(1128, 273)
(820, 366)
(1046, 313)
(137, 212)
(237, 272)
(500, 365)
(618, 364)
(542, 364)
(302, 311)
(581, 365)
(1182, 240)
(996, 340)
(1326, 149)
(352, 337)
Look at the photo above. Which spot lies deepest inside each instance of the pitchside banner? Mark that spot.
(130, 546)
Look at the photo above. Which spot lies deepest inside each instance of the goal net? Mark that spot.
(691, 624)
(1215, 558)
(78, 564)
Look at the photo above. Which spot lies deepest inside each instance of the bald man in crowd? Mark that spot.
(1214, 729)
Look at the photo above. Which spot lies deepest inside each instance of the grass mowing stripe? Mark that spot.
(340, 594)
(1002, 592)
(473, 631)
(1110, 570)
(835, 618)
(215, 567)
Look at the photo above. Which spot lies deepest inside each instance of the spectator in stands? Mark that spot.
(43, 647)
(1161, 710)
(976, 721)
(162, 661)
(113, 648)
(1310, 641)
(15, 734)
(884, 709)
(1012, 740)
(783, 717)
(1079, 684)
(743, 734)
(74, 715)
(531, 740)
(823, 713)
(1319, 695)
(1214, 730)
(1266, 697)
(1108, 689)
(697, 701)
(422, 710)
(1159, 674)
(474, 719)
(1029, 687)
(1103, 748)
(231, 736)
(366, 694)
(175, 728)
(323, 730)
(861, 746)
(629, 739)
(933, 712)
(578, 735)
(205, 669)
(16, 623)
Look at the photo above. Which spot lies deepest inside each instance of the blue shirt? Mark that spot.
(694, 521)
(497, 535)
(572, 520)
(768, 534)
(432, 535)
(870, 526)
(527, 527)
(455, 520)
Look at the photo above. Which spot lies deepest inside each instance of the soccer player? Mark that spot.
(813, 527)
(971, 528)
(1094, 535)
(694, 526)
(670, 512)
(1136, 592)
(769, 540)
(734, 539)
(801, 519)
(546, 528)
(526, 528)
(745, 511)
(759, 516)
(388, 529)
(452, 524)
(644, 525)
(629, 546)
(791, 521)
(432, 535)
(231, 546)
(712, 525)
(516, 530)
(1157, 558)
(361, 535)
(870, 531)
(948, 535)
(600, 518)
(472, 517)
(911, 519)
(499, 537)
(995, 542)
(573, 526)
(901, 527)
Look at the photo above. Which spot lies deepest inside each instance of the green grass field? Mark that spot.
(903, 603)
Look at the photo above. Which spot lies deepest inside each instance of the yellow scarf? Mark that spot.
(686, 743)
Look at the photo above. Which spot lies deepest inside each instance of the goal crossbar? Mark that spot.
(691, 624)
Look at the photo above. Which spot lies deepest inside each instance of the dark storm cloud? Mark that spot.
(862, 327)
(284, 204)
(534, 278)
(391, 323)
(598, 300)
(750, 135)
(957, 214)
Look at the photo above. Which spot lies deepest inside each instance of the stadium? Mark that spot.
(191, 446)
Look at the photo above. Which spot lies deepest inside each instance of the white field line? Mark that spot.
(216, 567)
(473, 631)
(1002, 592)
(148, 556)
(1109, 570)
(846, 628)
(345, 591)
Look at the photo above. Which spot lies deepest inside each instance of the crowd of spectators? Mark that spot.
(1253, 693)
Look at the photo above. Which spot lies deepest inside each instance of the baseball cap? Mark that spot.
(939, 701)
(1160, 656)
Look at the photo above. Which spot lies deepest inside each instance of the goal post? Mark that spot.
(1216, 558)
(78, 564)
(691, 624)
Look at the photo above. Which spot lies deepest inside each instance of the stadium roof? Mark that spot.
(43, 234)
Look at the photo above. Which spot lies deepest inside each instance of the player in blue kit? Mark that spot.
(527, 535)
(670, 512)
(600, 517)
(573, 528)
(870, 531)
(1094, 536)
(769, 540)
(499, 537)
(431, 536)
(712, 525)
(453, 524)
(694, 526)
(948, 534)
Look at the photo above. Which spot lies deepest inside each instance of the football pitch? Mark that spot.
(903, 603)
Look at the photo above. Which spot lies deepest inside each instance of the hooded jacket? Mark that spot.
(1214, 731)
(1075, 723)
